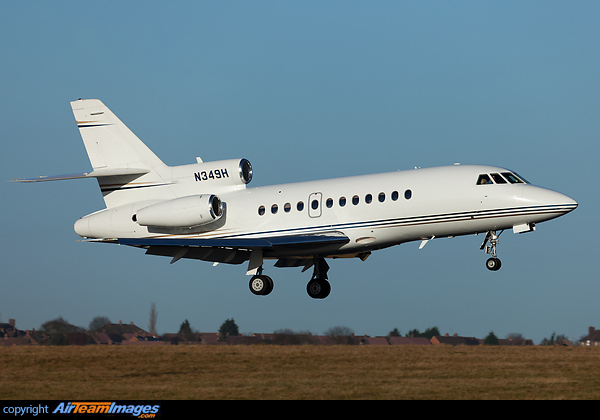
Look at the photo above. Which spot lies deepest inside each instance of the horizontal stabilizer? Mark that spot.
(243, 243)
(98, 173)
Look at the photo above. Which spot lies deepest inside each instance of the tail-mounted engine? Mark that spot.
(214, 176)
(191, 211)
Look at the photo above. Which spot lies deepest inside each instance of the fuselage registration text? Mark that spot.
(213, 174)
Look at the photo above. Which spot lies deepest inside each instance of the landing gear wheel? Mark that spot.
(261, 285)
(493, 264)
(318, 288)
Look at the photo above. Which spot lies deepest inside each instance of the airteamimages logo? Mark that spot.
(142, 411)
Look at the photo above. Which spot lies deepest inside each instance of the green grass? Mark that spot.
(299, 372)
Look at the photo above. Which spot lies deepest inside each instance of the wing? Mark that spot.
(244, 243)
(233, 250)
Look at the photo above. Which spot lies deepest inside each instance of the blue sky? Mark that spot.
(306, 90)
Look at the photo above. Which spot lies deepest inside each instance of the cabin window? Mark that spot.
(300, 206)
(274, 208)
(342, 201)
(329, 203)
(368, 198)
(261, 210)
(287, 207)
(355, 200)
(484, 179)
(408, 194)
(314, 204)
(395, 195)
(381, 197)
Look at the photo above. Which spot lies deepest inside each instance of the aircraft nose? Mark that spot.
(82, 227)
(548, 200)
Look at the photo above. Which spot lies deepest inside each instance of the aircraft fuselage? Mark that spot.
(206, 211)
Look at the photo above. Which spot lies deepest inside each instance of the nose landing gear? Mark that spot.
(489, 243)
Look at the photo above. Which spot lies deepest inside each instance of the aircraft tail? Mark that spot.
(126, 169)
(124, 166)
(109, 143)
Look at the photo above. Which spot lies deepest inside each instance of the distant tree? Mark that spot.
(58, 329)
(153, 319)
(394, 333)
(554, 340)
(339, 331)
(428, 333)
(288, 337)
(229, 327)
(431, 332)
(98, 322)
(515, 336)
(186, 331)
(491, 340)
(413, 333)
(340, 335)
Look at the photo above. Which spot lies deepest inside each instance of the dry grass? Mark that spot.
(299, 372)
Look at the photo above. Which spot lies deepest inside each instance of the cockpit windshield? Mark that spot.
(495, 178)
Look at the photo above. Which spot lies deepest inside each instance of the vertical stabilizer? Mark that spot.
(131, 169)
(109, 143)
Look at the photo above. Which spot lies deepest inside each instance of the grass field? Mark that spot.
(298, 372)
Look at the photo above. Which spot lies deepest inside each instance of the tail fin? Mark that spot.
(126, 169)
(109, 143)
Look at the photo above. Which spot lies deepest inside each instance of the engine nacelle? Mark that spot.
(191, 211)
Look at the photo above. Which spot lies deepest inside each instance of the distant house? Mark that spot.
(592, 339)
(375, 341)
(16, 341)
(409, 341)
(11, 336)
(141, 340)
(514, 342)
(79, 339)
(118, 333)
(455, 340)
(101, 338)
(209, 338)
(244, 339)
(8, 329)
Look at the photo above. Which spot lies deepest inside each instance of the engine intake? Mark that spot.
(191, 211)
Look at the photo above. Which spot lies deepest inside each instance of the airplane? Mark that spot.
(206, 211)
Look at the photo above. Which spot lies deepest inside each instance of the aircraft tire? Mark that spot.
(318, 288)
(261, 285)
(493, 264)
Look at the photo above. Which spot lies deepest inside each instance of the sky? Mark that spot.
(305, 90)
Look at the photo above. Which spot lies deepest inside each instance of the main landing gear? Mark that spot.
(318, 287)
(489, 243)
(261, 285)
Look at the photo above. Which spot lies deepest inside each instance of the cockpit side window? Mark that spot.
(521, 178)
(512, 178)
(484, 179)
(498, 179)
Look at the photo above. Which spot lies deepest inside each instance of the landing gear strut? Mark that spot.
(490, 242)
(318, 287)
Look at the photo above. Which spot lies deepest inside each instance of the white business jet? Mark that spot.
(205, 211)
